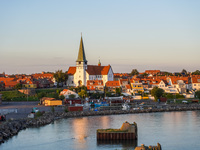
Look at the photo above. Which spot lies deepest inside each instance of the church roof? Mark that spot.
(81, 53)
(92, 70)
(97, 70)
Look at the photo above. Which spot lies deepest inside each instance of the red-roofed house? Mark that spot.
(180, 83)
(67, 93)
(9, 83)
(95, 85)
(195, 83)
(112, 85)
(123, 84)
(81, 73)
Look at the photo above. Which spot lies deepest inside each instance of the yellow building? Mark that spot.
(136, 86)
(47, 101)
(53, 102)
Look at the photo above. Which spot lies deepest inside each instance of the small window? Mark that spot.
(79, 62)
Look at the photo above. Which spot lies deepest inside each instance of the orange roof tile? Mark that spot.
(128, 86)
(71, 71)
(195, 79)
(97, 70)
(112, 83)
(95, 82)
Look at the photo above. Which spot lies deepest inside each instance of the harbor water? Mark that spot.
(173, 130)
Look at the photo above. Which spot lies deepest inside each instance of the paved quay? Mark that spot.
(17, 110)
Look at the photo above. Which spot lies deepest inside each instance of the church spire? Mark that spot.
(99, 64)
(81, 53)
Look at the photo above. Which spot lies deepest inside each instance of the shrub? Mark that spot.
(52, 109)
(38, 114)
(66, 109)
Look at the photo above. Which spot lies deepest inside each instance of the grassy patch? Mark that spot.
(111, 130)
(11, 95)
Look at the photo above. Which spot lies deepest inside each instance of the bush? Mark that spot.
(38, 114)
(52, 109)
(66, 109)
(41, 95)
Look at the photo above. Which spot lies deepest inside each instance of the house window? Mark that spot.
(72, 82)
(194, 84)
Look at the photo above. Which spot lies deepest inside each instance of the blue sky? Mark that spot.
(38, 36)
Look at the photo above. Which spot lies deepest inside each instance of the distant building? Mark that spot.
(67, 93)
(82, 72)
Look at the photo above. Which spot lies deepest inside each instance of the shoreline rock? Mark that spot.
(10, 128)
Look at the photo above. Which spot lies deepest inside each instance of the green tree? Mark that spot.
(144, 74)
(184, 72)
(134, 72)
(41, 95)
(83, 94)
(118, 91)
(60, 77)
(72, 96)
(157, 92)
(53, 95)
(62, 97)
(197, 72)
(197, 94)
(18, 86)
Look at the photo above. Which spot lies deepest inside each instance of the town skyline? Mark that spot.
(127, 35)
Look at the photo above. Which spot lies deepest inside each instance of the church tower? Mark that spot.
(81, 65)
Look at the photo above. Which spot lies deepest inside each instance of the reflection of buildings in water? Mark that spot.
(126, 144)
(105, 121)
(195, 117)
(79, 126)
(174, 117)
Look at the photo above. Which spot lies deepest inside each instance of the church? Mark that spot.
(82, 73)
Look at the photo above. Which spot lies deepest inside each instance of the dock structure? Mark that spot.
(126, 132)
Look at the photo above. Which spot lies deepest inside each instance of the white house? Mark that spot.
(81, 73)
(67, 93)
(195, 83)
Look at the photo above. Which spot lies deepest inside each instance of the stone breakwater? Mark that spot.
(12, 127)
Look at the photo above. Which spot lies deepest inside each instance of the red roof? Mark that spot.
(112, 83)
(97, 70)
(195, 79)
(95, 82)
(42, 75)
(128, 86)
(174, 79)
(71, 71)
(92, 70)
(92, 84)
(152, 71)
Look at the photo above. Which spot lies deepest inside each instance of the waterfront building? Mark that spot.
(82, 72)
(194, 83)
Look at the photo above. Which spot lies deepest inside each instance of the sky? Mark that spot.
(44, 35)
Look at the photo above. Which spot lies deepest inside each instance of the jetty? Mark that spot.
(126, 132)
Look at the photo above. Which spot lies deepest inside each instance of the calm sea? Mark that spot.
(173, 130)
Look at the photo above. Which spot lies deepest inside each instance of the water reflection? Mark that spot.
(173, 130)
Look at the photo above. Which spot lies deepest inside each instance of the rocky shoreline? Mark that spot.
(12, 127)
